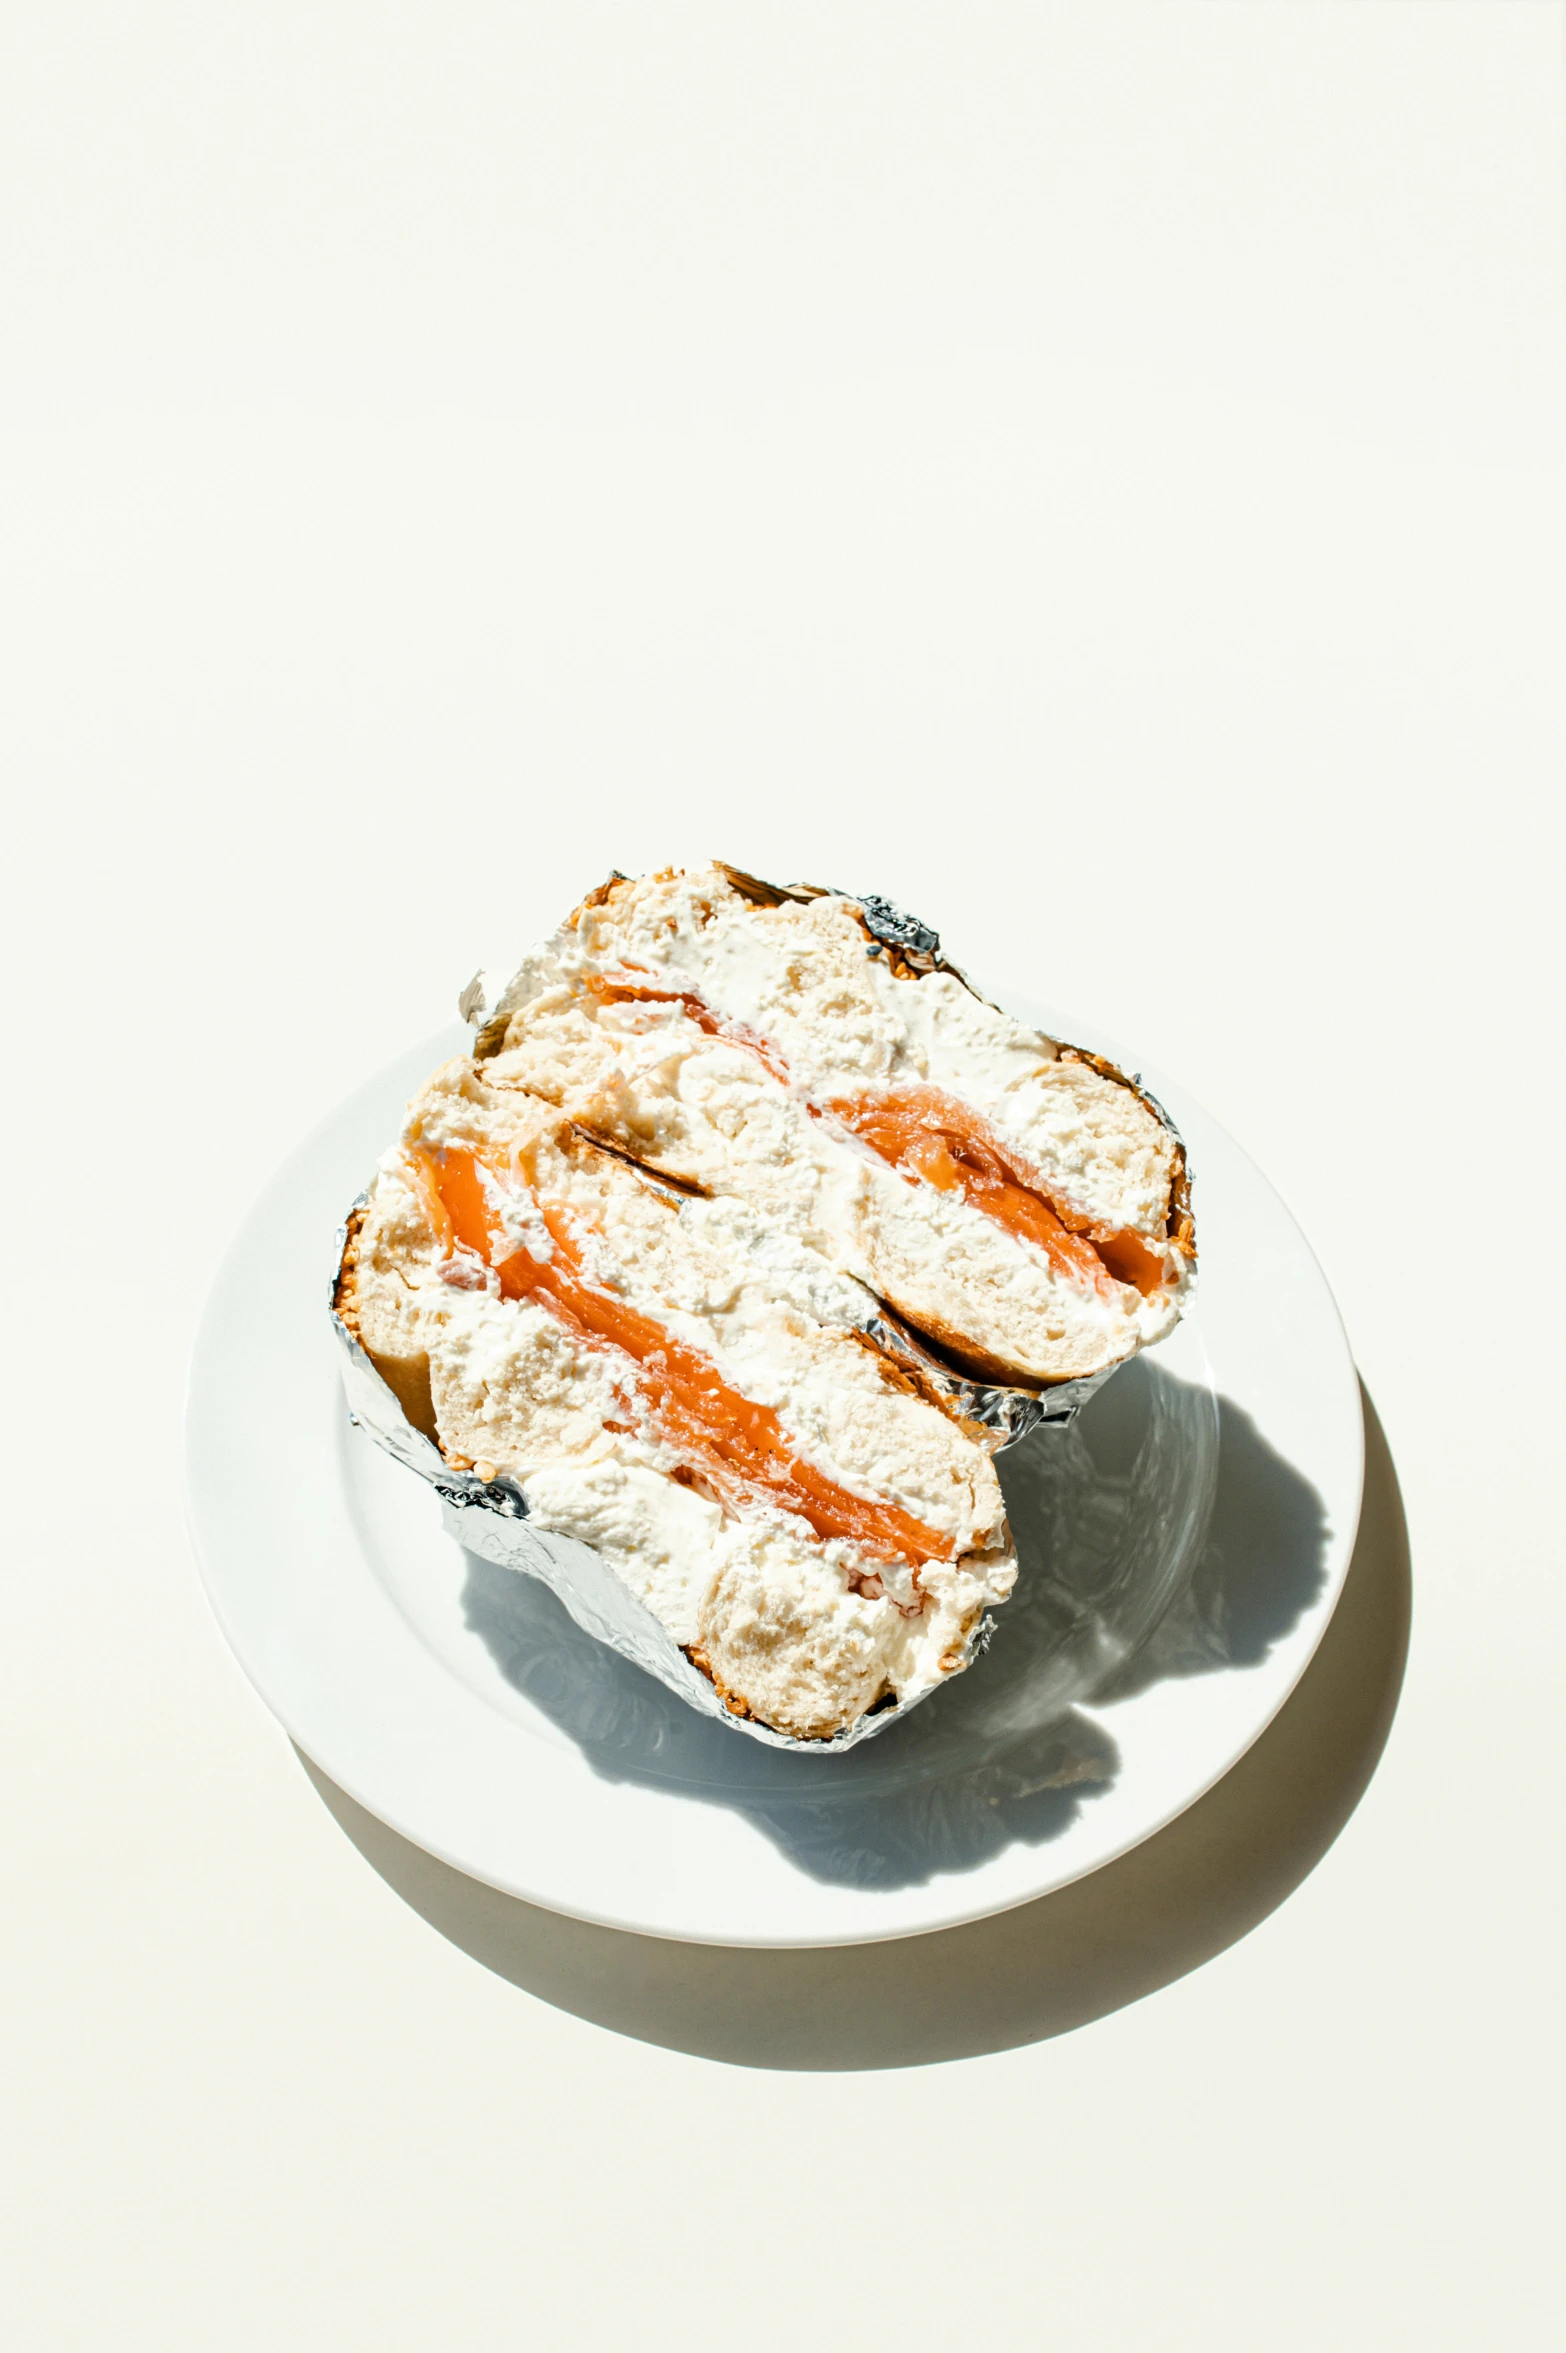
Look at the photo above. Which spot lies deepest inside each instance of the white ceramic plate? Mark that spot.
(458, 1703)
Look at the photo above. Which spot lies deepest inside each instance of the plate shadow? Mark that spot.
(1175, 1901)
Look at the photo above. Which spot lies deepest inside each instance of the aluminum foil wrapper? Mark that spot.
(491, 1517)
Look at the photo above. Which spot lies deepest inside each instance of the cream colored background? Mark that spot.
(1093, 473)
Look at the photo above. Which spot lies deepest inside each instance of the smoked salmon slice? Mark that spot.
(922, 1132)
(634, 989)
(737, 1446)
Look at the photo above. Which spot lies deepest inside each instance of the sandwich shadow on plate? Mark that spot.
(1159, 1534)
(1048, 1966)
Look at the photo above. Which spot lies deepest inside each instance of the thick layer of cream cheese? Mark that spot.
(804, 976)
(694, 1267)
(710, 1110)
(720, 1582)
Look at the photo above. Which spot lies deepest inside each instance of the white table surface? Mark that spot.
(1092, 473)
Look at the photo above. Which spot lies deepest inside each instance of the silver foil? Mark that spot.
(490, 1517)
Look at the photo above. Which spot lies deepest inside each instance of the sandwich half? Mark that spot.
(740, 1242)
